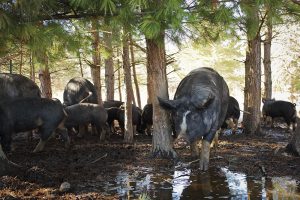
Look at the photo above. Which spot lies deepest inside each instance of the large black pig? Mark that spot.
(86, 113)
(17, 86)
(79, 90)
(198, 110)
(233, 114)
(284, 109)
(25, 114)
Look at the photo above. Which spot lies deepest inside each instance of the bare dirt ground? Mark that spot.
(88, 162)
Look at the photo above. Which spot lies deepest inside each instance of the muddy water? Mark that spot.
(144, 183)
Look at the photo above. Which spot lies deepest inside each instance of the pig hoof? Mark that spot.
(203, 165)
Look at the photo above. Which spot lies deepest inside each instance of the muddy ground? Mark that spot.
(88, 163)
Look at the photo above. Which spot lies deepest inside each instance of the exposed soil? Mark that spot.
(89, 162)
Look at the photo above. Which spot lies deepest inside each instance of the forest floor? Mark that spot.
(88, 164)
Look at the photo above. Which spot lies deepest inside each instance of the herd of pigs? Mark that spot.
(201, 106)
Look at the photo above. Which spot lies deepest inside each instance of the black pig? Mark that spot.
(86, 113)
(25, 114)
(198, 110)
(284, 109)
(79, 90)
(17, 86)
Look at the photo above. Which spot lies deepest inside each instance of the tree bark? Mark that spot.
(32, 68)
(128, 136)
(95, 68)
(156, 58)
(294, 144)
(21, 58)
(80, 63)
(252, 87)
(45, 80)
(149, 86)
(119, 76)
(135, 79)
(109, 67)
(267, 62)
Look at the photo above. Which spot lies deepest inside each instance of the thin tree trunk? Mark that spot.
(45, 80)
(119, 76)
(267, 62)
(161, 141)
(21, 58)
(137, 89)
(95, 68)
(109, 67)
(80, 63)
(32, 68)
(128, 136)
(252, 87)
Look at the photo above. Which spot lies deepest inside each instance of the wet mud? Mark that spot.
(242, 166)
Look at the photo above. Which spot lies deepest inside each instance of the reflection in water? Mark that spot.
(237, 184)
(181, 180)
(187, 184)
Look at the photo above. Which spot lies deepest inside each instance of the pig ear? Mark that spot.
(203, 101)
(168, 104)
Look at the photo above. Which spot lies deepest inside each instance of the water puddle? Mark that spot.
(144, 183)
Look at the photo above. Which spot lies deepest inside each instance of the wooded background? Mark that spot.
(136, 50)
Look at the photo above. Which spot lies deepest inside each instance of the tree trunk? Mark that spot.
(109, 67)
(32, 68)
(136, 83)
(267, 62)
(149, 86)
(21, 58)
(128, 136)
(45, 80)
(119, 76)
(161, 141)
(80, 63)
(294, 144)
(252, 87)
(95, 68)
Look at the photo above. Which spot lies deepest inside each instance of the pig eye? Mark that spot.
(193, 117)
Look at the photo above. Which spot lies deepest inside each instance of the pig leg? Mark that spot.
(272, 123)
(134, 129)
(2, 154)
(195, 150)
(104, 129)
(148, 131)
(45, 133)
(204, 157)
(6, 141)
(235, 121)
(63, 131)
(94, 130)
(215, 141)
(82, 129)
